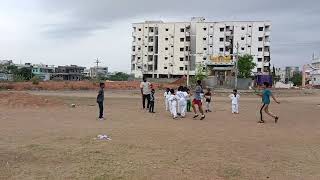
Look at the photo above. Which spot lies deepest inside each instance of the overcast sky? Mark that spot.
(61, 32)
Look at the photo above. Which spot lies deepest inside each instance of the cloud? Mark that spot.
(79, 25)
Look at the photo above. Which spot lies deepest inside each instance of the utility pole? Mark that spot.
(236, 66)
(97, 62)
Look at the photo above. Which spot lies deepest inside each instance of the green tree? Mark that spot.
(119, 76)
(245, 66)
(201, 73)
(297, 79)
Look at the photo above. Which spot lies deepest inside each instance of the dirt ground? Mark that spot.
(47, 139)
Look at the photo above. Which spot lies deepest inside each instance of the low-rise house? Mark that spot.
(68, 73)
(43, 72)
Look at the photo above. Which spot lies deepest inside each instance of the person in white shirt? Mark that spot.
(235, 101)
(173, 99)
(182, 103)
(145, 88)
(166, 96)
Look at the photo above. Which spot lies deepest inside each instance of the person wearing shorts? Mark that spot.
(197, 101)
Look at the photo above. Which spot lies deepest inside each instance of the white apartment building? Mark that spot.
(168, 49)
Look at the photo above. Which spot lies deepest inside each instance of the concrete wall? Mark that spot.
(212, 82)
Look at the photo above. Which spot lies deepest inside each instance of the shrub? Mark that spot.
(35, 80)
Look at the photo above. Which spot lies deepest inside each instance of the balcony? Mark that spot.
(228, 33)
(267, 33)
(267, 43)
(227, 43)
(266, 53)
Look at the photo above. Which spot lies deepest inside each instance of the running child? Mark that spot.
(166, 98)
(266, 93)
(152, 99)
(235, 102)
(173, 99)
(179, 92)
(100, 100)
(207, 97)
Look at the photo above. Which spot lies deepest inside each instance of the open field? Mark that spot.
(42, 137)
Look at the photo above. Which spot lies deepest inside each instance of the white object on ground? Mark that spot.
(104, 137)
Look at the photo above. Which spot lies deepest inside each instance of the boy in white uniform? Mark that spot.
(166, 99)
(182, 103)
(173, 99)
(235, 101)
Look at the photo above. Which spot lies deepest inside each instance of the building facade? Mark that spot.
(98, 72)
(174, 49)
(43, 72)
(290, 71)
(69, 73)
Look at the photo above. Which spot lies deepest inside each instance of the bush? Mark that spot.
(35, 80)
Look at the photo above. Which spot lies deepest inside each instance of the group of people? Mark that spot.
(179, 102)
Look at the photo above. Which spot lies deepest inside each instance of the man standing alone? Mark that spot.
(100, 100)
(145, 87)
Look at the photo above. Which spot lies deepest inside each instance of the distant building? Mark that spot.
(281, 74)
(98, 72)
(290, 71)
(173, 49)
(315, 74)
(68, 73)
(43, 72)
(4, 72)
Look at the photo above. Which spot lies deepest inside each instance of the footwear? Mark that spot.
(202, 117)
(195, 116)
(276, 119)
(261, 122)
(207, 111)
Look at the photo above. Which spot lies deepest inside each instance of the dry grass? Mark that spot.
(58, 142)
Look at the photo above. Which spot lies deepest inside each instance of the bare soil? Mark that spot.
(55, 141)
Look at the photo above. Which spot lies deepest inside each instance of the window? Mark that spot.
(260, 28)
(166, 58)
(186, 67)
(221, 29)
(259, 59)
(166, 39)
(211, 36)
(181, 39)
(181, 49)
(249, 36)
(172, 56)
(204, 28)
(260, 49)
(204, 58)
(250, 26)
(242, 49)
(166, 49)
(139, 39)
(139, 48)
(181, 68)
(133, 48)
(315, 79)
(249, 46)
(139, 58)
(134, 29)
(182, 30)
(187, 48)
(259, 69)
(260, 39)
(150, 48)
(188, 38)
(139, 29)
(146, 37)
(165, 67)
(204, 49)
(211, 46)
(204, 39)
(150, 39)
(221, 39)
(151, 29)
(167, 29)
(242, 38)
(221, 49)
(181, 59)
(172, 46)
(243, 28)
(211, 27)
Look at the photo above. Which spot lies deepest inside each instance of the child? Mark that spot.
(179, 92)
(182, 102)
(152, 99)
(207, 97)
(173, 104)
(197, 101)
(188, 100)
(266, 102)
(166, 98)
(235, 102)
(100, 100)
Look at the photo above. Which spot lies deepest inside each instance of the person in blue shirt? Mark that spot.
(266, 93)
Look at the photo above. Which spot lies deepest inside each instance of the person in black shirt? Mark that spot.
(152, 99)
(100, 100)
